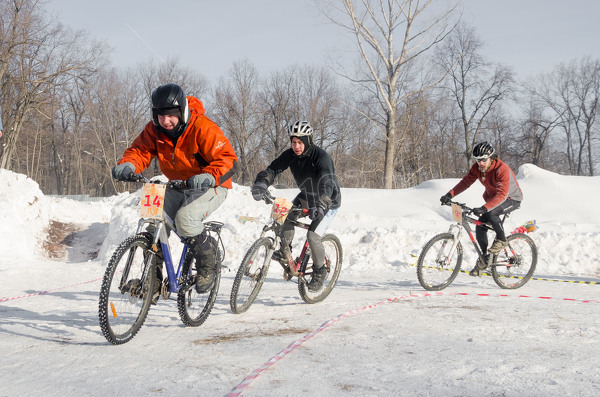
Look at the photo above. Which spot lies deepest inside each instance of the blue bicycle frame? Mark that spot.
(161, 235)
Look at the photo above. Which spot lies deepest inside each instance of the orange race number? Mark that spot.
(152, 201)
(456, 213)
(281, 208)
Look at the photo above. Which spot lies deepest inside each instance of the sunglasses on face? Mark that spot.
(481, 159)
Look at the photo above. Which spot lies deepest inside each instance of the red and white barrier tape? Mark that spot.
(237, 391)
(49, 291)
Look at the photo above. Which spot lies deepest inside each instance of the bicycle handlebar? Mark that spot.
(466, 208)
(175, 184)
(270, 199)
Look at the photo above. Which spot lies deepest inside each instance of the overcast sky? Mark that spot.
(532, 36)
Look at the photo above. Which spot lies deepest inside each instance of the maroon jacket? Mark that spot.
(499, 181)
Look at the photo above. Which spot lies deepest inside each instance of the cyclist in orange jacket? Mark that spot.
(502, 195)
(191, 147)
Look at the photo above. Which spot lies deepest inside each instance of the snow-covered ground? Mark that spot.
(378, 333)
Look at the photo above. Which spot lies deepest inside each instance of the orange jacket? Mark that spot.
(202, 148)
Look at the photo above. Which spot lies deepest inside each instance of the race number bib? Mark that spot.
(153, 198)
(456, 213)
(281, 208)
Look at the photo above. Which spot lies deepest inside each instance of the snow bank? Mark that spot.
(382, 231)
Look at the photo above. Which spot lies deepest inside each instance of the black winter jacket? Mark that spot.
(313, 172)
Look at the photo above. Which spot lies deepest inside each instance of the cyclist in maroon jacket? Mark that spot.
(502, 195)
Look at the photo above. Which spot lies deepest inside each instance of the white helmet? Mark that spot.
(300, 128)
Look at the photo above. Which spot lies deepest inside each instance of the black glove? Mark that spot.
(479, 211)
(325, 202)
(122, 172)
(445, 199)
(258, 190)
(201, 182)
(317, 213)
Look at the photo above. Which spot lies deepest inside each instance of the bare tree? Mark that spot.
(277, 96)
(316, 97)
(536, 130)
(237, 110)
(44, 56)
(374, 24)
(153, 74)
(570, 94)
(476, 85)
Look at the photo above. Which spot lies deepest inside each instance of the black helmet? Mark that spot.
(483, 151)
(169, 99)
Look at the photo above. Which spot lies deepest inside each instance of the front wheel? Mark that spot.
(514, 266)
(124, 297)
(439, 262)
(195, 307)
(333, 263)
(251, 275)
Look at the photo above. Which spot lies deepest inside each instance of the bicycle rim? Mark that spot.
(124, 302)
(515, 265)
(333, 263)
(439, 263)
(251, 275)
(194, 308)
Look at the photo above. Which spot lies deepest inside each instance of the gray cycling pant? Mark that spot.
(316, 229)
(188, 208)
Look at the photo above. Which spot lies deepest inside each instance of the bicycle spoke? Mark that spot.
(439, 262)
(515, 265)
(250, 276)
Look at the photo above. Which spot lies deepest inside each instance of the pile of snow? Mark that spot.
(24, 215)
(379, 229)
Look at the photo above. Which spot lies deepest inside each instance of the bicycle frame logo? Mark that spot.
(152, 201)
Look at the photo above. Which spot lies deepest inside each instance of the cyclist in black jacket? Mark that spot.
(314, 174)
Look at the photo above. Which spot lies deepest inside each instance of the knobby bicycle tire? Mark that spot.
(435, 270)
(194, 308)
(333, 262)
(513, 267)
(251, 275)
(124, 303)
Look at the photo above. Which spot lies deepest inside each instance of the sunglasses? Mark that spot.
(481, 159)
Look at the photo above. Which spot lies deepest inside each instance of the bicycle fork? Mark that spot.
(456, 231)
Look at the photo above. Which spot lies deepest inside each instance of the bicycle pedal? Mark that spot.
(476, 272)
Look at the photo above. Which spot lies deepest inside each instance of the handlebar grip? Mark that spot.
(178, 184)
(136, 178)
(268, 197)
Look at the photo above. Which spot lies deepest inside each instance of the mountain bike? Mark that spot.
(255, 265)
(440, 260)
(131, 282)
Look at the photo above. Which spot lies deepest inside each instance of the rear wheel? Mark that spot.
(439, 262)
(194, 308)
(514, 266)
(251, 275)
(124, 298)
(333, 263)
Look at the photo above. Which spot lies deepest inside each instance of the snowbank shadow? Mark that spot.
(84, 245)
